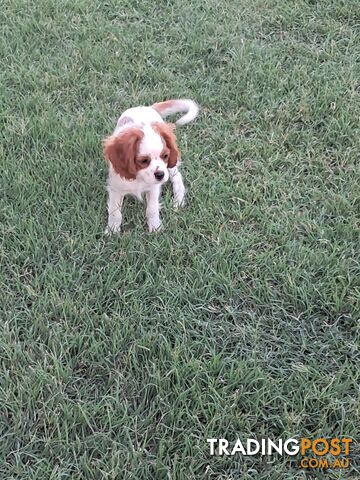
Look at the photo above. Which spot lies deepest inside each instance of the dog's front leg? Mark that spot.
(153, 208)
(177, 186)
(115, 201)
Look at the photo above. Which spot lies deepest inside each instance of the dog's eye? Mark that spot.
(166, 157)
(144, 161)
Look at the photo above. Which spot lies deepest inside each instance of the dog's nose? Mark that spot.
(159, 175)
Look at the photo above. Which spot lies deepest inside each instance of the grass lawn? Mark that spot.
(120, 356)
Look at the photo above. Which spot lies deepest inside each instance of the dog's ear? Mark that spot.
(166, 130)
(120, 150)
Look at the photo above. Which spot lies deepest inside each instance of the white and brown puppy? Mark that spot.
(142, 155)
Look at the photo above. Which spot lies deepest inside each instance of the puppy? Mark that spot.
(142, 155)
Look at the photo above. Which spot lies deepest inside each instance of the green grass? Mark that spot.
(120, 356)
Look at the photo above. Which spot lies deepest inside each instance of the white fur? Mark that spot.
(145, 181)
(182, 105)
(178, 187)
(138, 116)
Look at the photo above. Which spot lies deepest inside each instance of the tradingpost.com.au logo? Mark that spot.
(312, 452)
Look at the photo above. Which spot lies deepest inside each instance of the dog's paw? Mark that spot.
(179, 203)
(155, 226)
(112, 229)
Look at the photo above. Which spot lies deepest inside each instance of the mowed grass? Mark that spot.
(121, 355)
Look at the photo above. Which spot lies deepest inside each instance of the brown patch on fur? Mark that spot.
(120, 150)
(161, 106)
(142, 161)
(165, 153)
(166, 130)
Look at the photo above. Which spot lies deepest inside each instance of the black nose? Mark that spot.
(159, 175)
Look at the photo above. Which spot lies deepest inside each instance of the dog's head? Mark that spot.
(143, 153)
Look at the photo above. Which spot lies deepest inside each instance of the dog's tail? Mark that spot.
(175, 106)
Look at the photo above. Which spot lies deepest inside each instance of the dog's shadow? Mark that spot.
(134, 210)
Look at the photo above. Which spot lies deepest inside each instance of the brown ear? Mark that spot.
(120, 150)
(166, 130)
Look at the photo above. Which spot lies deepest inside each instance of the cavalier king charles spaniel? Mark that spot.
(142, 155)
